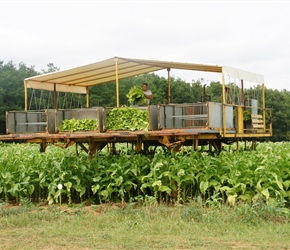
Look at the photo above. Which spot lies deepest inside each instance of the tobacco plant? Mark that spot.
(228, 177)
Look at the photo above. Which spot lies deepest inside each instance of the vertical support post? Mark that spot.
(224, 105)
(195, 144)
(263, 106)
(25, 96)
(87, 97)
(77, 152)
(218, 145)
(209, 146)
(240, 120)
(270, 125)
(223, 90)
(113, 148)
(54, 96)
(237, 145)
(168, 80)
(243, 93)
(117, 83)
(42, 146)
(139, 144)
(253, 144)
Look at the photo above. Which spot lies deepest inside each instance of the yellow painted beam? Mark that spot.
(25, 96)
(224, 106)
(87, 97)
(117, 84)
(240, 120)
(168, 79)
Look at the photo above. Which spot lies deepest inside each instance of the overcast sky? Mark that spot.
(249, 35)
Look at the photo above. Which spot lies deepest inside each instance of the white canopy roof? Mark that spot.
(242, 74)
(76, 80)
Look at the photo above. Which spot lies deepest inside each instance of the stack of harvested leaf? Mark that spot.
(73, 125)
(126, 118)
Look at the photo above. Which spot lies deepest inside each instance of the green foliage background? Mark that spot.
(12, 95)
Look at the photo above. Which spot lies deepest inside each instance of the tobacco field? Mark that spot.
(229, 177)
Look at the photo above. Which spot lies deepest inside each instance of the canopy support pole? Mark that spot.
(117, 83)
(25, 95)
(168, 79)
(243, 93)
(87, 97)
(54, 96)
(264, 107)
(224, 104)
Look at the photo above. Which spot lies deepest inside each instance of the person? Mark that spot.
(228, 95)
(147, 93)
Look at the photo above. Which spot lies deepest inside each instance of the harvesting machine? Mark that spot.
(238, 116)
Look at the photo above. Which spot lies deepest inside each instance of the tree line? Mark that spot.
(104, 95)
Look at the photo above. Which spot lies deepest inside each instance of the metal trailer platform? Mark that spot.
(171, 139)
(170, 126)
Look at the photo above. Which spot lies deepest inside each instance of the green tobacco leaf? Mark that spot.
(95, 188)
(105, 194)
(266, 193)
(136, 96)
(286, 184)
(203, 186)
(245, 197)
(57, 194)
(232, 199)
(258, 186)
(126, 118)
(68, 185)
(80, 189)
(157, 183)
(181, 172)
(226, 189)
(215, 184)
(278, 182)
(73, 125)
(166, 189)
(31, 189)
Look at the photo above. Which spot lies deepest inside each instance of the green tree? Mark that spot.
(214, 90)
(50, 68)
(279, 102)
(12, 88)
(197, 90)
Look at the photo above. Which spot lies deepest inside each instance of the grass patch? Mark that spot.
(127, 226)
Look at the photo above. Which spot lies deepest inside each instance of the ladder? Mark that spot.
(257, 123)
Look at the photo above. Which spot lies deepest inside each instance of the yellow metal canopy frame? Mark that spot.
(79, 79)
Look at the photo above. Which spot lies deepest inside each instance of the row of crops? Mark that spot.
(58, 175)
